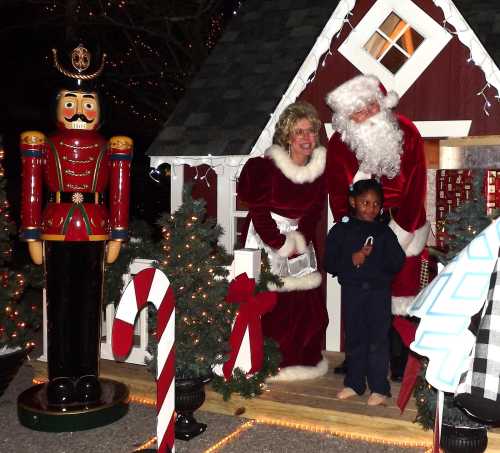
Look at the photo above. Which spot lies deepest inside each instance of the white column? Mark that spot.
(225, 217)
(176, 186)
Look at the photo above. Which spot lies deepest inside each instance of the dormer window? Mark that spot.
(396, 41)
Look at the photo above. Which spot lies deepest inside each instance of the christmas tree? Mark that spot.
(18, 319)
(195, 264)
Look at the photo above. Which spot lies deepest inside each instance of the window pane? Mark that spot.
(392, 25)
(410, 40)
(393, 60)
(376, 45)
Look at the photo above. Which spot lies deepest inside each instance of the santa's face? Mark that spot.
(78, 110)
(367, 112)
(366, 205)
(302, 141)
(376, 141)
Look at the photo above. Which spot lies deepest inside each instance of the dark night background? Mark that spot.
(154, 47)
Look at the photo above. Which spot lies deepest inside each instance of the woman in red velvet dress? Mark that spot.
(285, 192)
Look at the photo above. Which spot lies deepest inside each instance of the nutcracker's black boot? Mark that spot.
(87, 389)
(60, 391)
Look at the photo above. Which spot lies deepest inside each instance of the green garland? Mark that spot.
(425, 399)
(250, 386)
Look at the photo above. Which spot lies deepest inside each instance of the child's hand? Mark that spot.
(358, 258)
(367, 249)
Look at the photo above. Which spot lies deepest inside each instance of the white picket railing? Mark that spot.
(245, 260)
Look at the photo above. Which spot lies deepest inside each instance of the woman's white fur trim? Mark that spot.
(417, 244)
(297, 173)
(309, 281)
(300, 373)
(294, 243)
(400, 305)
(404, 237)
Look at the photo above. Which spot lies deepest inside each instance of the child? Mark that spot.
(365, 255)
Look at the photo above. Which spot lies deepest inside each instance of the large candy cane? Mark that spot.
(152, 285)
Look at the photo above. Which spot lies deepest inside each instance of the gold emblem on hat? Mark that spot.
(80, 58)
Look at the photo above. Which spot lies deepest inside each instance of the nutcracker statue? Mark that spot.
(70, 228)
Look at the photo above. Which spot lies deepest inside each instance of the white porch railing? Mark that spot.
(245, 260)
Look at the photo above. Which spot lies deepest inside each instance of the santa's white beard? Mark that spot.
(377, 142)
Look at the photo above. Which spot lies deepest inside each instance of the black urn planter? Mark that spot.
(463, 439)
(9, 366)
(189, 396)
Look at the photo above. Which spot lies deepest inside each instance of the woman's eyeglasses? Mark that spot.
(302, 133)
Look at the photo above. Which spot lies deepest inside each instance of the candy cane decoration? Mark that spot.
(152, 285)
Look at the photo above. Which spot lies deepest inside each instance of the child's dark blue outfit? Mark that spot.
(366, 298)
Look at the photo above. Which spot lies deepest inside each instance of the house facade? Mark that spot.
(437, 55)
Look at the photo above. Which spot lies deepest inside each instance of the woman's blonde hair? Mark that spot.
(294, 112)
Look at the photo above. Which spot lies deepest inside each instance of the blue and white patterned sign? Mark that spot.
(447, 305)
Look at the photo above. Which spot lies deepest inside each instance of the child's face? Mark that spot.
(366, 206)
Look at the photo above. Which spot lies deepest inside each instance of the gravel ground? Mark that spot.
(138, 426)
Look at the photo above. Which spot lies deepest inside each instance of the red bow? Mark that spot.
(252, 307)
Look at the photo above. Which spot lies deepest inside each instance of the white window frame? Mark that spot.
(435, 39)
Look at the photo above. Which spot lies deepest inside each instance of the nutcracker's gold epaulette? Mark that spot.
(121, 143)
(32, 138)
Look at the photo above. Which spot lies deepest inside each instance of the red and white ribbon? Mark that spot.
(152, 285)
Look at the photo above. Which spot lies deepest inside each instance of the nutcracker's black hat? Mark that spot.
(80, 66)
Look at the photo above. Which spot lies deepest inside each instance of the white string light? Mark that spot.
(477, 53)
(487, 103)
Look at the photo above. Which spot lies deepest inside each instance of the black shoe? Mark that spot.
(88, 389)
(60, 391)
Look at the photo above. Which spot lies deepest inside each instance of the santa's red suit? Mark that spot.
(404, 194)
(285, 201)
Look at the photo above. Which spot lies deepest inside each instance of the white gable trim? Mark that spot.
(338, 19)
(469, 39)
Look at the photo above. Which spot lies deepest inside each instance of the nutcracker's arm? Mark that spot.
(32, 148)
(120, 158)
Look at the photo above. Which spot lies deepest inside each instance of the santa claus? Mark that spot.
(372, 141)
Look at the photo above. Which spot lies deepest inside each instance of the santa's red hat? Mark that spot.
(357, 93)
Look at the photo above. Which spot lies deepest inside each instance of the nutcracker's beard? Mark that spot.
(377, 142)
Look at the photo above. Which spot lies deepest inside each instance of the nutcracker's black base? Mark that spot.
(35, 413)
(187, 428)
